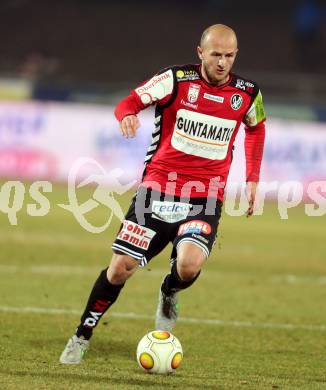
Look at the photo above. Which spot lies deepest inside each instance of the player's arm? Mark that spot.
(157, 90)
(254, 147)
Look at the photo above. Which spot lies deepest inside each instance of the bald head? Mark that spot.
(217, 52)
(219, 32)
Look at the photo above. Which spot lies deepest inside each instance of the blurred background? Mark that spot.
(57, 57)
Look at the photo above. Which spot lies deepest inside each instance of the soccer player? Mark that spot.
(199, 109)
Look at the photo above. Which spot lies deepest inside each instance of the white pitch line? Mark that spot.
(28, 238)
(187, 320)
(295, 279)
(158, 272)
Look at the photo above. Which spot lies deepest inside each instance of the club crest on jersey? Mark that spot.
(193, 93)
(236, 101)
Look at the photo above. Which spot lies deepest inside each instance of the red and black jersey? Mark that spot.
(195, 127)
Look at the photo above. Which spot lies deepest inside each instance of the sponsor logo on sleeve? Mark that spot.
(156, 88)
(136, 235)
(187, 75)
(170, 211)
(244, 85)
(194, 227)
(248, 84)
(236, 101)
(180, 74)
(202, 135)
(240, 84)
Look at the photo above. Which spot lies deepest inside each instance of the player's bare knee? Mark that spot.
(187, 274)
(188, 269)
(189, 261)
(121, 268)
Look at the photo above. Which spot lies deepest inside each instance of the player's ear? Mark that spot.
(200, 52)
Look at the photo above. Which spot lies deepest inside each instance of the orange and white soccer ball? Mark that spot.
(159, 352)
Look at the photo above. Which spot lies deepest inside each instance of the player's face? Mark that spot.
(217, 56)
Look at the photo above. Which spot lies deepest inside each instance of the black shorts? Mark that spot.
(155, 219)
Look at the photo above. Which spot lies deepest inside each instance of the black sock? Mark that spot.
(102, 296)
(173, 283)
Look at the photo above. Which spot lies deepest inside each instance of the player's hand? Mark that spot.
(129, 126)
(251, 191)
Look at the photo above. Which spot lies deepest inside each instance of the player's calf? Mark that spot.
(167, 309)
(121, 268)
(174, 282)
(105, 292)
(184, 272)
(189, 260)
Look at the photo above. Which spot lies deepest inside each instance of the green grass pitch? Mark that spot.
(255, 319)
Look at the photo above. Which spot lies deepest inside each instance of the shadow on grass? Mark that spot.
(61, 377)
(113, 348)
(149, 381)
(98, 348)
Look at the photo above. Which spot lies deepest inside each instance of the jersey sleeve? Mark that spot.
(256, 111)
(255, 135)
(157, 90)
(254, 147)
